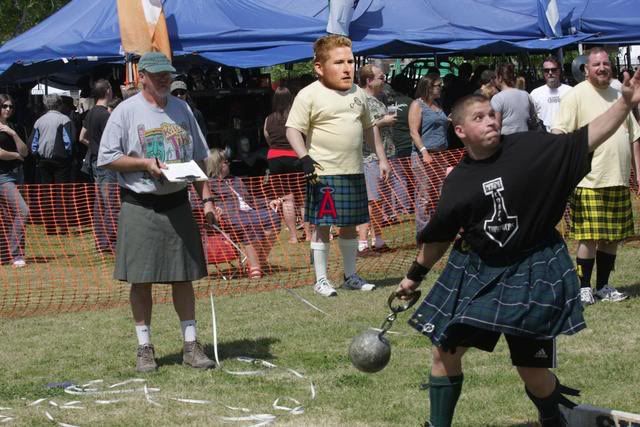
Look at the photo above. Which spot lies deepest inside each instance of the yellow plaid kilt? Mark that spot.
(601, 214)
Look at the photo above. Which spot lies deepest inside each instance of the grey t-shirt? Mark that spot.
(138, 129)
(513, 104)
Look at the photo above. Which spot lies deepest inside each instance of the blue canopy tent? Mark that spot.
(427, 26)
(611, 21)
(253, 33)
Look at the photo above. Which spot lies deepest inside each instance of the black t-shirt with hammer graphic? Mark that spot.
(510, 203)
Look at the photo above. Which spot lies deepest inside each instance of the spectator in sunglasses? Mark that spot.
(547, 97)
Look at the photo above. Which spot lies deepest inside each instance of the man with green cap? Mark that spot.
(158, 239)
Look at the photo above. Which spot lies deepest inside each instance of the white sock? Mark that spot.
(362, 245)
(188, 330)
(143, 332)
(320, 258)
(349, 250)
(379, 242)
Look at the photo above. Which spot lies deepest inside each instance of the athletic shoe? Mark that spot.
(611, 294)
(19, 262)
(146, 361)
(325, 288)
(367, 253)
(357, 283)
(382, 249)
(193, 355)
(586, 296)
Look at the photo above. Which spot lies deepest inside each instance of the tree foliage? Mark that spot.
(20, 15)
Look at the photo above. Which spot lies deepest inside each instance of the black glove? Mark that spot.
(309, 168)
(211, 220)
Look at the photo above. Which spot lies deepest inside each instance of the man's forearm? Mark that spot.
(128, 164)
(296, 141)
(430, 253)
(372, 137)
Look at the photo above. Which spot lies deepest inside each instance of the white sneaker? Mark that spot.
(586, 296)
(324, 288)
(611, 294)
(357, 283)
(19, 262)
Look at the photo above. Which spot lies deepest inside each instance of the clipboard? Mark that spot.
(184, 172)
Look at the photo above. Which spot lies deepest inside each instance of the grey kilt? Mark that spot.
(158, 245)
(536, 297)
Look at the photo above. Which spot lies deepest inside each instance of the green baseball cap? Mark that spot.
(155, 62)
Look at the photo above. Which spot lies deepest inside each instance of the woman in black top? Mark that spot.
(282, 159)
(12, 152)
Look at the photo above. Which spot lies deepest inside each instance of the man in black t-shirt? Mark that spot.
(105, 211)
(509, 272)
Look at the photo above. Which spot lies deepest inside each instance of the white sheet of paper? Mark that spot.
(184, 172)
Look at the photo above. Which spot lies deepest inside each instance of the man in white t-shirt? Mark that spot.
(547, 97)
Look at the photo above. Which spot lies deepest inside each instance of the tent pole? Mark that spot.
(628, 57)
(560, 55)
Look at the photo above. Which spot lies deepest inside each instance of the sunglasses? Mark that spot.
(7, 107)
(549, 70)
(179, 92)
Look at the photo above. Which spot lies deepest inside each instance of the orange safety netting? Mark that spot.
(69, 235)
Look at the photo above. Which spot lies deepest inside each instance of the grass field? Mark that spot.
(279, 328)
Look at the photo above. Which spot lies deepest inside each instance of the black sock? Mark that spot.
(443, 396)
(584, 268)
(605, 263)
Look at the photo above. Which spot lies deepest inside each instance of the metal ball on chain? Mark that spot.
(371, 350)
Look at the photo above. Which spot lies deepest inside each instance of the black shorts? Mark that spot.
(285, 176)
(525, 352)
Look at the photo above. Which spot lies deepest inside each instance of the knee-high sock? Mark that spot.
(604, 265)
(349, 250)
(443, 397)
(584, 268)
(320, 258)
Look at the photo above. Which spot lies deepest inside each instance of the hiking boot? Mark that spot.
(193, 355)
(611, 294)
(325, 288)
(357, 283)
(586, 296)
(146, 361)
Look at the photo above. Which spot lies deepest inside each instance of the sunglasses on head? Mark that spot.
(549, 70)
(7, 107)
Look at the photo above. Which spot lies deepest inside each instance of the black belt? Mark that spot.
(156, 202)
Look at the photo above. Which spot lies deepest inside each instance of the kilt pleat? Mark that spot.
(158, 247)
(346, 193)
(601, 214)
(537, 297)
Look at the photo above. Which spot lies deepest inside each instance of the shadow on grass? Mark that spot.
(259, 348)
(632, 290)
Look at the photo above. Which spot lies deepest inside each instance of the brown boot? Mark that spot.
(146, 361)
(193, 355)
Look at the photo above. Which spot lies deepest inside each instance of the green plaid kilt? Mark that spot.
(537, 297)
(339, 200)
(601, 214)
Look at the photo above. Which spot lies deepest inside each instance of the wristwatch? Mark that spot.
(208, 199)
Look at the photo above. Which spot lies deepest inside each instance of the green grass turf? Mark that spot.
(277, 327)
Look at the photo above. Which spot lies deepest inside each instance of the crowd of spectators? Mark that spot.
(61, 146)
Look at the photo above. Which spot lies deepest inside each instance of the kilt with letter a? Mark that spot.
(601, 214)
(339, 200)
(536, 297)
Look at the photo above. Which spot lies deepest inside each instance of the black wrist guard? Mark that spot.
(417, 272)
